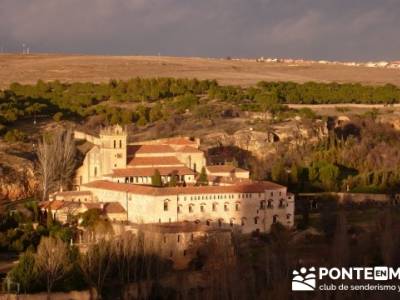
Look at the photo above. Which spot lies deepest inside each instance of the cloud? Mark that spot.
(331, 29)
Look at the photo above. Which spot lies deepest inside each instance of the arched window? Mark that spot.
(231, 222)
(191, 206)
(214, 206)
(262, 204)
(220, 221)
(237, 206)
(179, 238)
(120, 143)
(202, 207)
(166, 205)
(226, 206)
(281, 203)
(244, 221)
(179, 208)
(275, 219)
(270, 203)
(208, 222)
(255, 220)
(115, 144)
(288, 216)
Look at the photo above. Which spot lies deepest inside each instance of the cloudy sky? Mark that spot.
(320, 29)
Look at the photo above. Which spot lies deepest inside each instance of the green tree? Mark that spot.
(14, 135)
(174, 179)
(90, 217)
(58, 116)
(268, 102)
(294, 174)
(156, 179)
(24, 272)
(203, 178)
(328, 176)
(278, 172)
(156, 113)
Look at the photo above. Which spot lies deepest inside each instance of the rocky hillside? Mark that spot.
(17, 179)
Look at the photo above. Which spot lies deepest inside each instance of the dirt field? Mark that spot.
(30, 68)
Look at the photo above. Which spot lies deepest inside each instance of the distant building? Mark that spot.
(114, 171)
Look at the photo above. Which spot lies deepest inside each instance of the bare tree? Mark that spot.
(126, 249)
(66, 144)
(388, 239)
(56, 161)
(96, 264)
(47, 167)
(340, 246)
(52, 260)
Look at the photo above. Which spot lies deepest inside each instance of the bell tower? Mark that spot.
(114, 142)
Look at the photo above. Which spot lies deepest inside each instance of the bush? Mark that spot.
(14, 135)
(58, 116)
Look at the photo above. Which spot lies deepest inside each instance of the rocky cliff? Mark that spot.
(261, 143)
(17, 178)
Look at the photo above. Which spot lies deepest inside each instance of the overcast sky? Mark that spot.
(319, 29)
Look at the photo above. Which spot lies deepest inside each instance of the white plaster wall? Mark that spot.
(150, 209)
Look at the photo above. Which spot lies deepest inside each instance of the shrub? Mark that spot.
(58, 116)
(14, 135)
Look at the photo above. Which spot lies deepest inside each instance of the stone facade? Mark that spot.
(115, 171)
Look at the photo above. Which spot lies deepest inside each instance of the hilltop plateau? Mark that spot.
(27, 69)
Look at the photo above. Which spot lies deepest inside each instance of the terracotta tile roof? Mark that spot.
(179, 141)
(189, 149)
(155, 161)
(58, 204)
(164, 171)
(113, 208)
(93, 205)
(226, 180)
(224, 168)
(73, 193)
(143, 149)
(220, 168)
(246, 187)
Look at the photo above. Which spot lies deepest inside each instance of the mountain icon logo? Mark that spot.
(304, 280)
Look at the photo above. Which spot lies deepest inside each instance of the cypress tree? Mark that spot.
(156, 178)
(203, 178)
